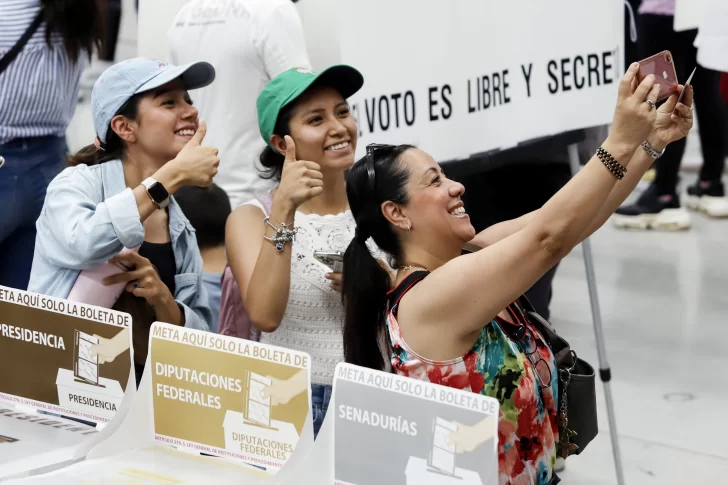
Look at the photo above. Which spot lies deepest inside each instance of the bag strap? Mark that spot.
(15, 50)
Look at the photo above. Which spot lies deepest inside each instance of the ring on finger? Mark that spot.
(651, 103)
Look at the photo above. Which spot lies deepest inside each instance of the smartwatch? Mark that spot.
(157, 192)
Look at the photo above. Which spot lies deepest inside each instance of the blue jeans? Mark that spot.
(27, 166)
(320, 397)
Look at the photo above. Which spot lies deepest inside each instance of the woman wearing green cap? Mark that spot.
(293, 299)
(114, 204)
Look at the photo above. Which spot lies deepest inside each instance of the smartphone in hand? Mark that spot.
(662, 66)
(331, 258)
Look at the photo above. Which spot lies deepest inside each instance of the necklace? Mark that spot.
(412, 266)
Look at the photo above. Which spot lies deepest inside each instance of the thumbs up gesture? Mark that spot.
(301, 180)
(196, 164)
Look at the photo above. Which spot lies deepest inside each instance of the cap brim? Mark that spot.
(345, 79)
(195, 75)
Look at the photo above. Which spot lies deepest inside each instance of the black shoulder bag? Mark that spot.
(15, 50)
(577, 401)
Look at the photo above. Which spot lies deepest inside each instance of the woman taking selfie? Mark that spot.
(449, 317)
(292, 298)
(117, 194)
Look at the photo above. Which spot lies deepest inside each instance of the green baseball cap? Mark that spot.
(289, 85)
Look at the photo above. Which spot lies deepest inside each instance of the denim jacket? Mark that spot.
(89, 216)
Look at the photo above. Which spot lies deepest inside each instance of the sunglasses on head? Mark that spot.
(371, 148)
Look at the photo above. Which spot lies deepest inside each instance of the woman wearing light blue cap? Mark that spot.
(117, 194)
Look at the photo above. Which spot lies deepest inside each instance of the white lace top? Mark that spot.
(314, 317)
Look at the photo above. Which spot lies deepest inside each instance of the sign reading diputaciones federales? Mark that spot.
(63, 356)
(229, 397)
(394, 429)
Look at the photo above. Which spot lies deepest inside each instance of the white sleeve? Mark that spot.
(281, 43)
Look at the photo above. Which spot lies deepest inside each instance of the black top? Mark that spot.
(397, 293)
(161, 255)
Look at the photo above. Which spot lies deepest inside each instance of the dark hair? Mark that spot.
(207, 209)
(365, 283)
(114, 147)
(271, 159)
(81, 24)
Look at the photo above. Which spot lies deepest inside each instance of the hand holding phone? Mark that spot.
(331, 258)
(662, 67)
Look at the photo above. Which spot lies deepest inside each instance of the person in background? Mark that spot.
(658, 207)
(37, 101)
(439, 327)
(106, 56)
(118, 194)
(249, 42)
(291, 297)
(207, 209)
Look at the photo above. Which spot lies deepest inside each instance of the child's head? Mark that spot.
(207, 208)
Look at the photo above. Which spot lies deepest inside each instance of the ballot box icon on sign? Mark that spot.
(256, 406)
(85, 362)
(442, 454)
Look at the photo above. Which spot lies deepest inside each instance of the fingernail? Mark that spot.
(635, 64)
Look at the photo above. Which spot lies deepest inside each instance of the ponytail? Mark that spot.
(113, 149)
(365, 283)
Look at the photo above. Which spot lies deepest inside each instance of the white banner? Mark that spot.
(459, 78)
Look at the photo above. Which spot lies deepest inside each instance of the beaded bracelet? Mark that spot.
(282, 234)
(611, 163)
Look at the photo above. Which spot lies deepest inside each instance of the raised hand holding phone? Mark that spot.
(661, 66)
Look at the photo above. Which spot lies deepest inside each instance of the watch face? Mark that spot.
(158, 192)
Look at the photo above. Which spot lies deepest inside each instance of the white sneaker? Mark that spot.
(652, 212)
(710, 201)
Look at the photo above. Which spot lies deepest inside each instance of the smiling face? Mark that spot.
(435, 210)
(166, 121)
(323, 129)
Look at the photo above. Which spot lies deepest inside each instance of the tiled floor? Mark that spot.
(664, 301)
(665, 309)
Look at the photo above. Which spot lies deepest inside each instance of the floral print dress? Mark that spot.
(496, 366)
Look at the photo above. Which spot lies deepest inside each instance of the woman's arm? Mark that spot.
(79, 228)
(263, 273)
(664, 134)
(509, 267)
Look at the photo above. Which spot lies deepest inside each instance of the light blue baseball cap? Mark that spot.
(123, 80)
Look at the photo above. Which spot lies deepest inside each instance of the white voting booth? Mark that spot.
(53, 377)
